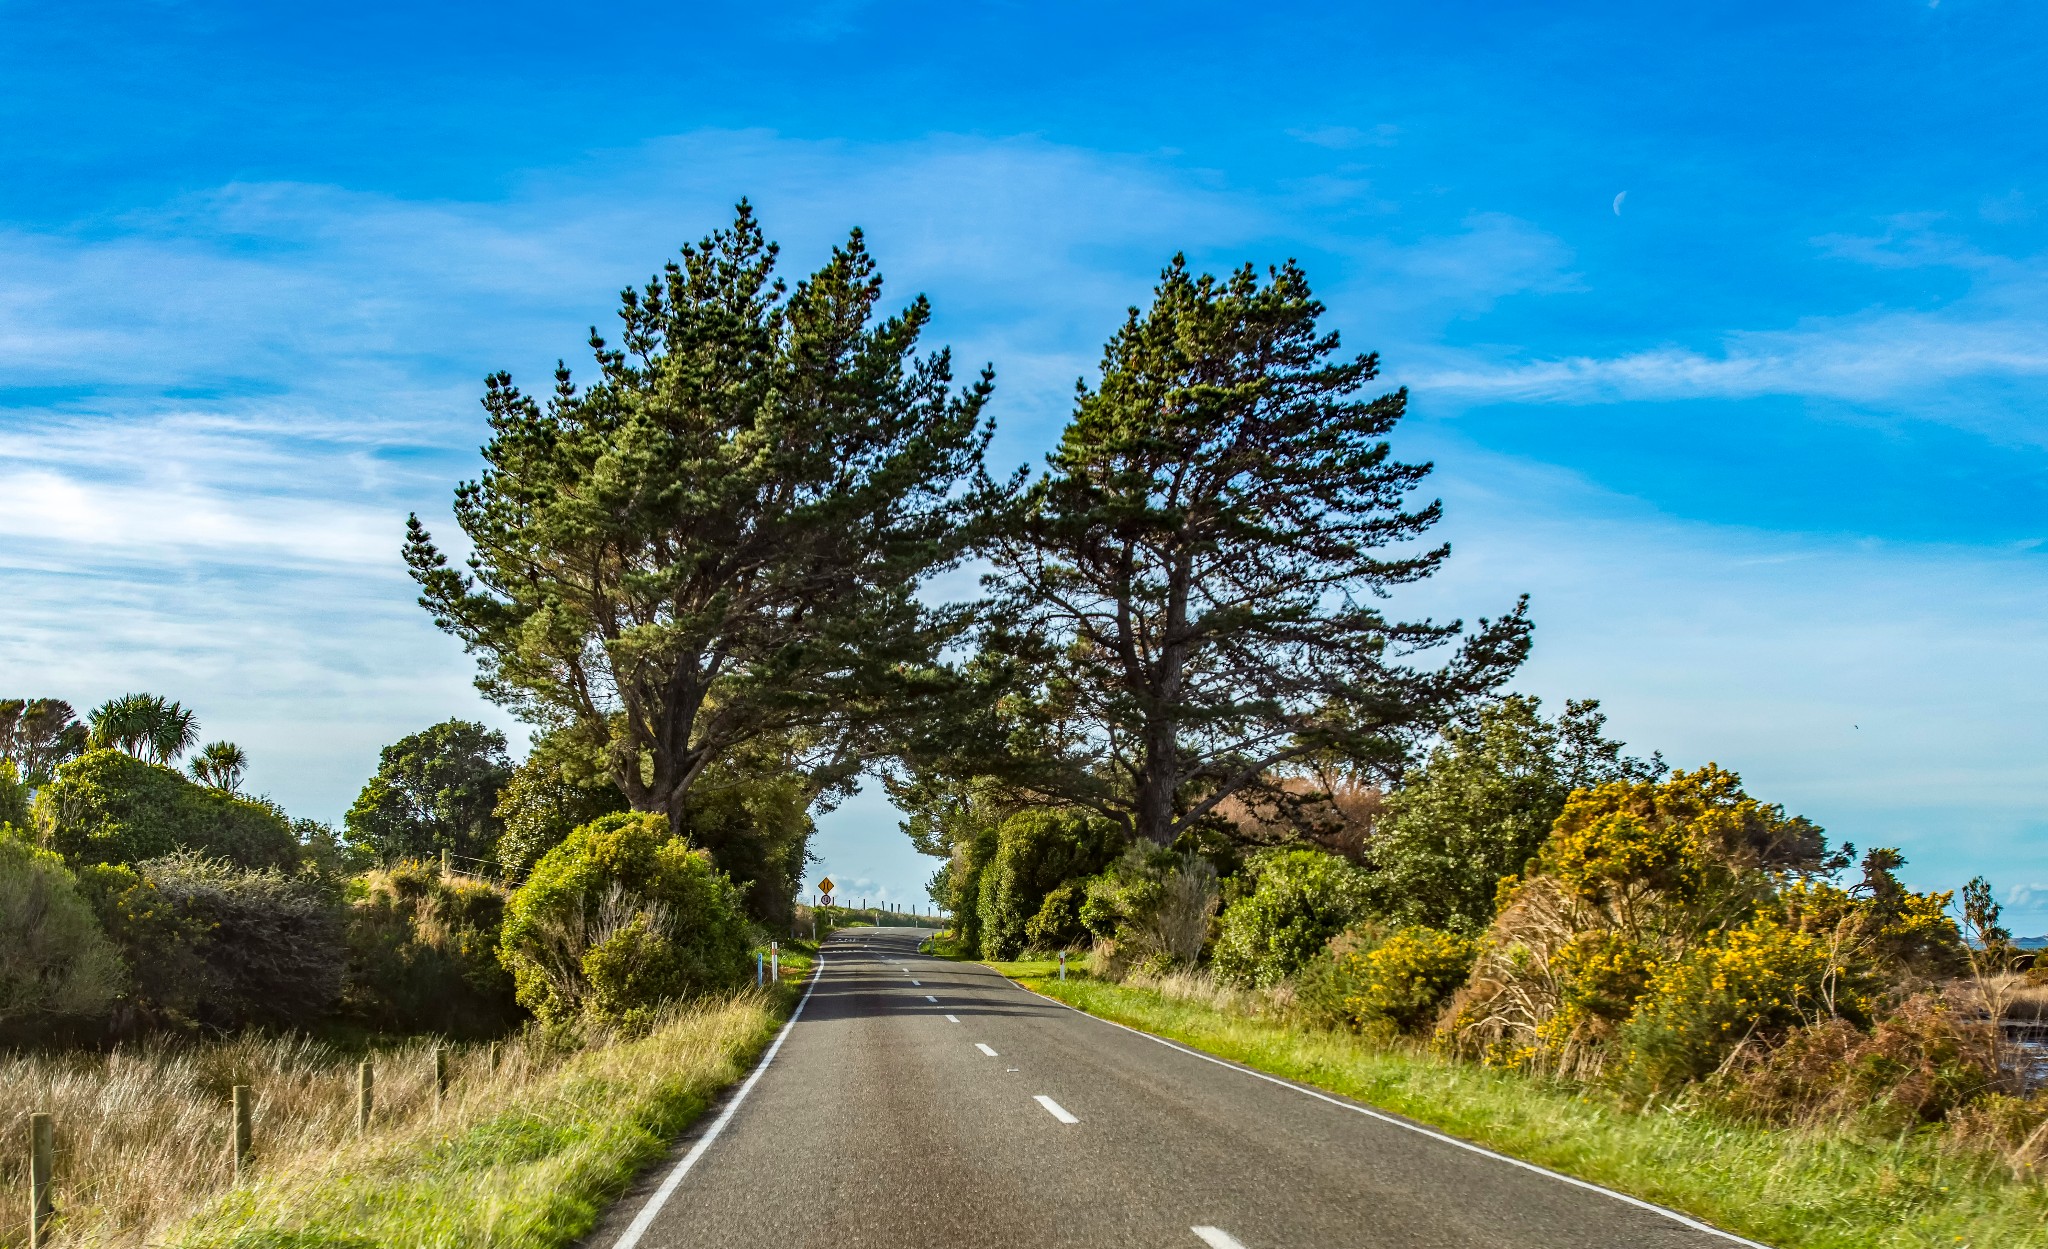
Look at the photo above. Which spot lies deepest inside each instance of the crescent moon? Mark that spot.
(1617, 202)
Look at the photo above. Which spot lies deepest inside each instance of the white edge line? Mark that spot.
(1217, 1238)
(1417, 1128)
(1054, 1109)
(645, 1219)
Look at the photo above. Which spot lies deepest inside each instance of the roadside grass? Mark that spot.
(525, 1151)
(531, 1164)
(1788, 1188)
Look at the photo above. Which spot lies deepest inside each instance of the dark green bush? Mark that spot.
(620, 918)
(1297, 900)
(109, 807)
(55, 962)
(1058, 925)
(423, 953)
(266, 949)
(1036, 852)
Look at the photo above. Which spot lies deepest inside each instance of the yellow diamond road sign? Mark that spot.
(825, 885)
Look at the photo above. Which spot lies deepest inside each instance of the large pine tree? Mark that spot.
(1189, 598)
(718, 544)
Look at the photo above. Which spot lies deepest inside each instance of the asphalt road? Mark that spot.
(922, 1102)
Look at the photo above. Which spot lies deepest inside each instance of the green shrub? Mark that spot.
(54, 960)
(1326, 982)
(14, 809)
(1757, 981)
(1150, 911)
(158, 940)
(1404, 981)
(1037, 851)
(266, 949)
(1058, 923)
(423, 953)
(753, 815)
(619, 918)
(1482, 806)
(1297, 901)
(109, 807)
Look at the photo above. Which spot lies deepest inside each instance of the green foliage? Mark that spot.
(1037, 851)
(1189, 597)
(619, 918)
(554, 791)
(1761, 978)
(1151, 910)
(107, 806)
(149, 726)
(434, 790)
(14, 798)
(1296, 901)
(54, 960)
(423, 953)
(1058, 924)
(158, 939)
(720, 541)
(753, 814)
(958, 821)
(37, 734)
(208, 943)
(1483, 805)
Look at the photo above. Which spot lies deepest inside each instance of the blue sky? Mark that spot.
(1727, 328)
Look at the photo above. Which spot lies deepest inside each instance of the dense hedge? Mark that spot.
(1036, 853)
(110, 807)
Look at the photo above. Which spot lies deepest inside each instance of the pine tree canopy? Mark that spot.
(1189, 599)
(720, 541)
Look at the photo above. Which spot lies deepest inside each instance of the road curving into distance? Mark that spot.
(916, 1101)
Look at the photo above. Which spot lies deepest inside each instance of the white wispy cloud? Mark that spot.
(1996, 331)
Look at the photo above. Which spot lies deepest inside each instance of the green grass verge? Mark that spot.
(1794, 1189)
(531, 1166)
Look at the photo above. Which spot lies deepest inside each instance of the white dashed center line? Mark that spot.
(984, 1049)
(1059, 1112)
(918, 983)
(952, 1019)
(1217, 1238)
(929, 998)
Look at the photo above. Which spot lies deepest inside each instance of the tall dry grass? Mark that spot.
(143, 1132)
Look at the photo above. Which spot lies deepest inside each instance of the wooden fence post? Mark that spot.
(494, 1058)
(365, 1085)
(440, 1075)
(241, 1135)
(42, 1166)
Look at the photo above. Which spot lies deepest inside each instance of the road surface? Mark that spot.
(922, 1102)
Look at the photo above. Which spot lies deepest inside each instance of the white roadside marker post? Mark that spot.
(1063, 964)
(775, 961)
